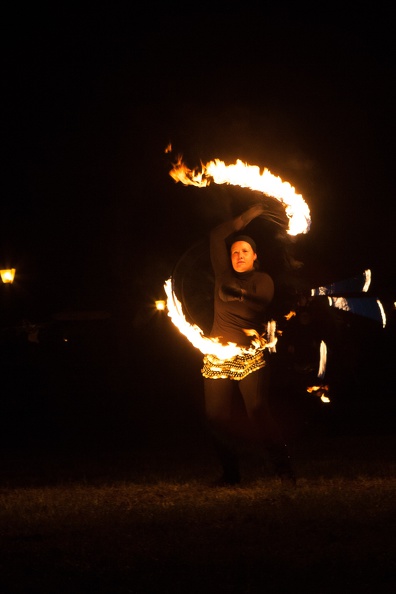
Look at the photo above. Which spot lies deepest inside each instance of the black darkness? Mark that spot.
(90, 217)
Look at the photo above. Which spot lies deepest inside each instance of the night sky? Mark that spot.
(91, 218)
(91, 101)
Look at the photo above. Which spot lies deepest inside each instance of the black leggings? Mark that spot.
(240, 409)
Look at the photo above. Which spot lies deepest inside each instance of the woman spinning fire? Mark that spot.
(242, 294)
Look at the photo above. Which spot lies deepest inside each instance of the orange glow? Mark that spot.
(321, 391)
(7, 275)
(290, 315)
(160, 305)
(249, 176)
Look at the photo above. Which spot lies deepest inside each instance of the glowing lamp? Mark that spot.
(7, 275)
(160, 305)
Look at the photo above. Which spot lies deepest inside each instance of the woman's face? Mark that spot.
(242, 256)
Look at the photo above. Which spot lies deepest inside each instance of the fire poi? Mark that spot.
(299, 222)
(245, 176)
(249, 176)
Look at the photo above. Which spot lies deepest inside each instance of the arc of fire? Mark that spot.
(249, 176)
(212, 346)
(245, 176)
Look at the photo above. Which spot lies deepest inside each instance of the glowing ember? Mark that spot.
(249, 176)
(212, 346)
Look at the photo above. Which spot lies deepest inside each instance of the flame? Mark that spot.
(271, 336)
(249, 176)
(320, 391)
(367, 281)
(212, 346)
(339, 303)
(383, 315)
(290, 315)
(323, 359)
(246, 176)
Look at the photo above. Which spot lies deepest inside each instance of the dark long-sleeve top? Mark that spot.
(232, 315)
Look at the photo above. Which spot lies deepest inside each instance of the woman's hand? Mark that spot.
(252, 213)
(232, 293)
(257, 209)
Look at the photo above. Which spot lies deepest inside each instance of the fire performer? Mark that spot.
(241, 296)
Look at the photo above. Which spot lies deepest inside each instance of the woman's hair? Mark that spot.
(245, 238)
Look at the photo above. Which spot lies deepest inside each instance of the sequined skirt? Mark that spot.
(235, 368)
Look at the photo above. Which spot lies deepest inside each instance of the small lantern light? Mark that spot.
(7, 275)
(160, 305)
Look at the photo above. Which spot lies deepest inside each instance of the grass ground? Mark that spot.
(147, 521)
(116, 498)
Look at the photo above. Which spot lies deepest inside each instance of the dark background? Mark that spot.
(94, 224)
